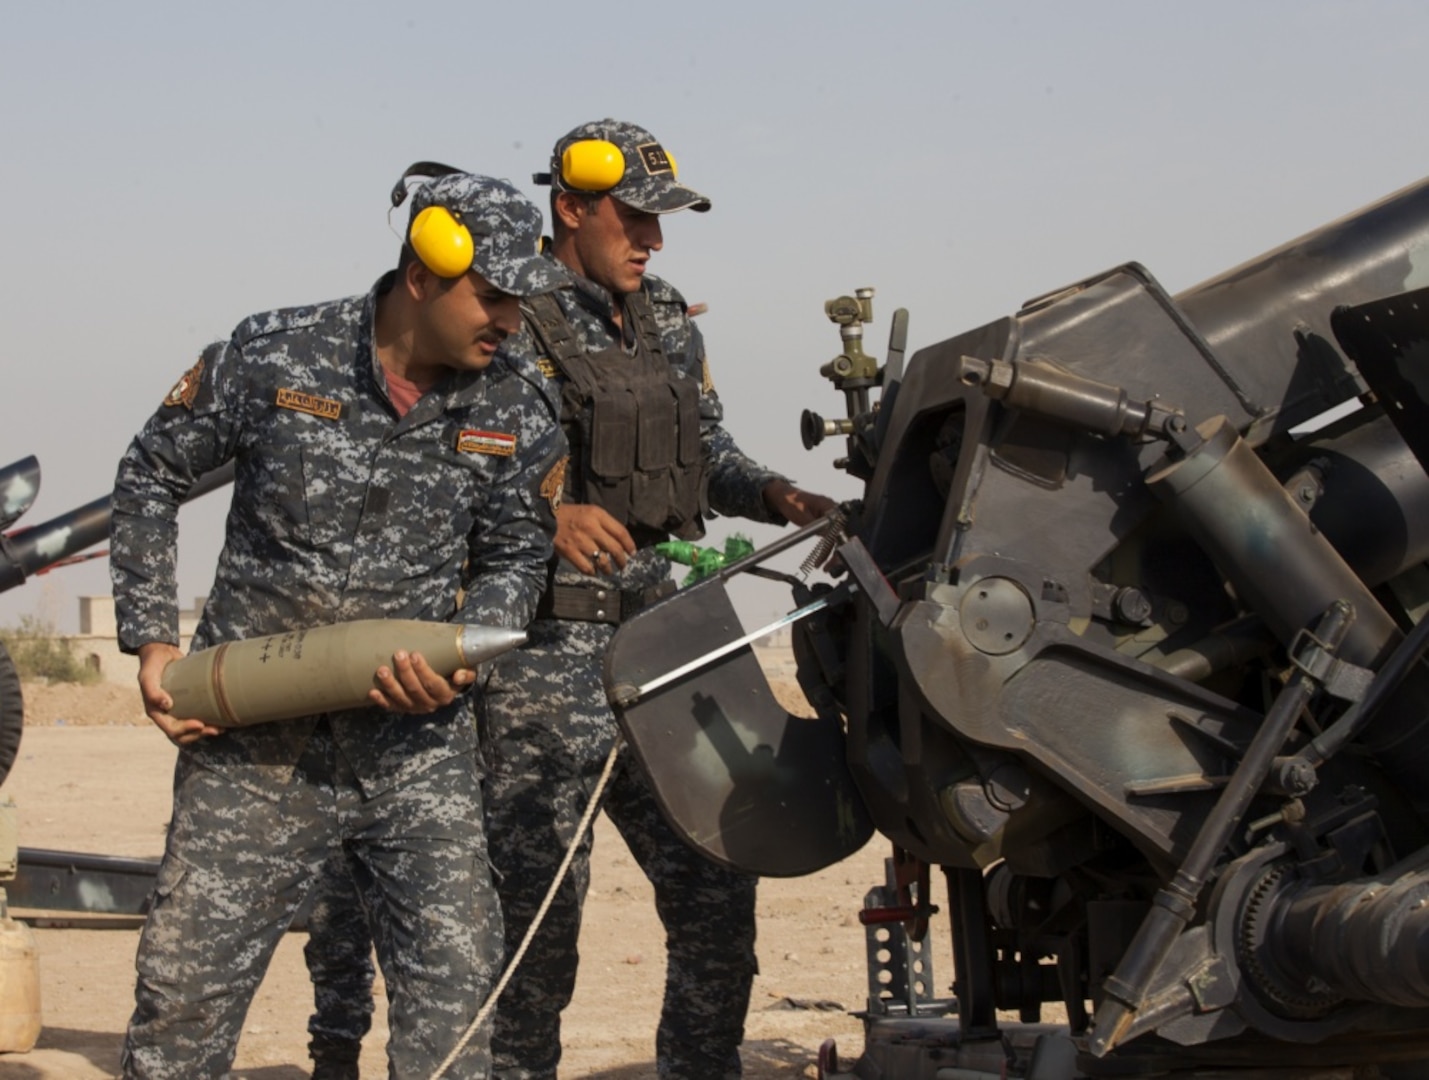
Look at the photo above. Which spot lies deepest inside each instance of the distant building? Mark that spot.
(97, 643)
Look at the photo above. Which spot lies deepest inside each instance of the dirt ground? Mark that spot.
(93, 775)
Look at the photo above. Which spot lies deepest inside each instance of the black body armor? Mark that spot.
(634, 430)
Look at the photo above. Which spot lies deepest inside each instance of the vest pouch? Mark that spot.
(650, 499)
(612, 452)
(651, 483)
(689, 481)
(687, 403)
(656, 448)
(613, 433)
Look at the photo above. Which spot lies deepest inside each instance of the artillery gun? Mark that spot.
(35, 877)
(1126, 648)
(38, 549)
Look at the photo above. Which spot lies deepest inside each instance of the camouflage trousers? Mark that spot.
(338, 954)
(237, 868)
(546, 732)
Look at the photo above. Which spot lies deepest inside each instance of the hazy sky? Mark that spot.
(169, 168)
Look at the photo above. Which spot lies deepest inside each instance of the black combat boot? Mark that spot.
(334, 1059)
(328, 1069)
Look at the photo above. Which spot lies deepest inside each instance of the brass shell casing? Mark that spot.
(303, 672)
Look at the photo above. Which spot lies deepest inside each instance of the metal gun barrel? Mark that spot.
(1364, 940)
(1274, 311)
(28, 551)
(39, 546)
(19, 484)
(283, 676)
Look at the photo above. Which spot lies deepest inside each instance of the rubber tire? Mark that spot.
(12, 713)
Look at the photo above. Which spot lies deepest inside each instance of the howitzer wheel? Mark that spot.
(12, 713)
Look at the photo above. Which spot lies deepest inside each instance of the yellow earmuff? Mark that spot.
(596, 165)
(592, 165)
(442, 242)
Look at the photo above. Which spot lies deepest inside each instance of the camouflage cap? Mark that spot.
(648, 182)
(505, 230)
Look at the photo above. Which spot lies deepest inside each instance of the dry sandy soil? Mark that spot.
(93, 775)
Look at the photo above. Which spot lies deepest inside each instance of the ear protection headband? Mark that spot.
(438, 236)
(594, 165)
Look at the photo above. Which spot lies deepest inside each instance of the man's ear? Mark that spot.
(417, 279)
(571, 209)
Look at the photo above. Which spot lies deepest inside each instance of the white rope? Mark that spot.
(590, 811)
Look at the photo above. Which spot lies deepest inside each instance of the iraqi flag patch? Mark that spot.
(497, 443)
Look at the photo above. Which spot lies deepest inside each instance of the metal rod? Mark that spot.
(724, 650)
(783, 543)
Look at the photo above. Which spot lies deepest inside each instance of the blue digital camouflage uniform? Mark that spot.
(545, 751)
(546, 732)
(341, 510)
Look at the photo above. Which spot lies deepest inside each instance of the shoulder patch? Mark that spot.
(553, 484)
(496, 443)
(186, 389)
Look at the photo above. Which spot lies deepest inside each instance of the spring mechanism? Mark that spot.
(834, 533)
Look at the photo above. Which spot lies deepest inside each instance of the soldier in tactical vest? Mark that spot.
(627, 369)
(649, 457)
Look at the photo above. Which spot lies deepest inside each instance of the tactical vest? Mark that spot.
(634, 429)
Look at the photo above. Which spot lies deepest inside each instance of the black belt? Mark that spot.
(597, 603)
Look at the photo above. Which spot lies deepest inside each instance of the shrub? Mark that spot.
(40, 653)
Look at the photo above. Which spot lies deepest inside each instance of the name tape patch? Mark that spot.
(321, 407)
(472, 441)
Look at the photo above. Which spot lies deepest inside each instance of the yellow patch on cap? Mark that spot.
(497, 443)
(186, 389)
